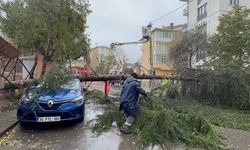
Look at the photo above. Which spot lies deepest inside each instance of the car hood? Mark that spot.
(61, 95)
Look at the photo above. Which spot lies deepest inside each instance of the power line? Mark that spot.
(168, 13)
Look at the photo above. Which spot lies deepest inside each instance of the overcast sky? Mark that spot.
(121, 21)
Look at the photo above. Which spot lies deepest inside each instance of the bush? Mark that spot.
(225, 86)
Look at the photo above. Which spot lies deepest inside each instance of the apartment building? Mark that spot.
(161, 40)
(97, 54)
(204, 15)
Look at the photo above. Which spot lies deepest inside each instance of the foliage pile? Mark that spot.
(53, 81)
(159, 124)
(225, 86)
(56, 77)
(221, 117)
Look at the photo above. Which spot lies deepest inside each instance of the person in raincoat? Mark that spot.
(131, 89)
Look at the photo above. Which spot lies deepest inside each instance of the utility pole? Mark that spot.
(149, 32)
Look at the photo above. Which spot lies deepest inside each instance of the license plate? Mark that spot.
(49, 119)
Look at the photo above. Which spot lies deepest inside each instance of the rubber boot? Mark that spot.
(125, 129)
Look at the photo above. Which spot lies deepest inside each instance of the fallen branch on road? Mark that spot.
(159, 124)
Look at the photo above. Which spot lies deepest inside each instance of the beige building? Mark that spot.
(97, 54)
(161, 41)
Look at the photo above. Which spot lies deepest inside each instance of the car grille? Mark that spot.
(54, 106)
(45, 106)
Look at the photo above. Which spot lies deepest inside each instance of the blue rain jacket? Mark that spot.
(131, 89)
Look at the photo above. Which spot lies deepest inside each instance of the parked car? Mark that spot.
(64, 104)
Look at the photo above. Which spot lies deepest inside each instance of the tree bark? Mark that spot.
(1, 79)
(190, 60)
(44, 66)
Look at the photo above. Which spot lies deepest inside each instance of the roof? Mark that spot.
(100, 47)
(8, 50)
(166, 29)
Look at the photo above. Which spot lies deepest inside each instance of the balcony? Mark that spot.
(186, 11)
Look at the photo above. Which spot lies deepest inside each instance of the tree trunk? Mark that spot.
(190, 60)
(44, 66)
(1, 79)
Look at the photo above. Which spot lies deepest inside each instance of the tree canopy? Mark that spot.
(106, 64)
(230, 46)
(53, 28)
(186, 47)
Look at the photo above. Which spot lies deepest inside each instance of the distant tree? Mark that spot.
(53, 28)
(230, 46)
(184, 48)
(106, 64)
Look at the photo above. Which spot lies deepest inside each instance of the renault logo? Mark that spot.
(50, 103)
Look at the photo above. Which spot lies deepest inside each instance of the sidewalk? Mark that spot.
(7, 113)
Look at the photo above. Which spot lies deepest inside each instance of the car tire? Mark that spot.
(80, 119)
(23, 124)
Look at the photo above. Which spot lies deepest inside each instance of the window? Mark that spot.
(161, 59)
(166, 35)
(202, 12)
(161, 47)
(234, 2)
(203, 28)
(161, 52)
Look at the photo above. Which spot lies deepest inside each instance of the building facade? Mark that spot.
(97, 54)
(161, 41)
(204, 16)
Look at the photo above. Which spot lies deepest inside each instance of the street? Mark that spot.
(70, 136)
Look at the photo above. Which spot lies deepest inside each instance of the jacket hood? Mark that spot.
(131, 78)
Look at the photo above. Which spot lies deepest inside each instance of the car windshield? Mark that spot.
(72, 84)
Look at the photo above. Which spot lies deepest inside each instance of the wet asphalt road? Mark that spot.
(72, 136)
(69, 136)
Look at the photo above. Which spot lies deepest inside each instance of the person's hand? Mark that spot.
(146, 94)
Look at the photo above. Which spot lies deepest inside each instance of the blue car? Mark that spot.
(65, 104)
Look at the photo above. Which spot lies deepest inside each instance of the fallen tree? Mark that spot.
(160, 124)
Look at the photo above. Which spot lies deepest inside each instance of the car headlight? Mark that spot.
(78, 100)
(24, 99)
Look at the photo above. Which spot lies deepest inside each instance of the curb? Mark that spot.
(8, 129)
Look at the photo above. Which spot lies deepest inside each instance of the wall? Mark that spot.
(94, 58)
(157, 37)
(145, 58)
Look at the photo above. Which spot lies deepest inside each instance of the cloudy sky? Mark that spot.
(121, 21)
